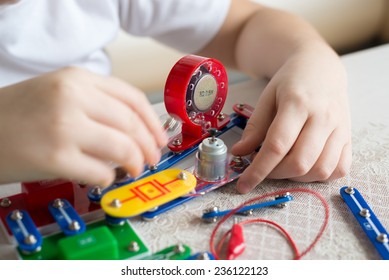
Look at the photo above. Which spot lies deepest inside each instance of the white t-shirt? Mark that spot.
(39, 36)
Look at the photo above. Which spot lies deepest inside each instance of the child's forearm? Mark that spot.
(270, 37)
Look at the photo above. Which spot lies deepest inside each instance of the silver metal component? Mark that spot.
(179, 248)
(221, 117)
(153, 209)
(382, 238)
(153, 167)
(116, 203)
(133, 246)
(213, 209)
(282, 205)
(74, 225)
(365, 213)
(97, 191)
(58, 203)
(240, 106)
(30, 239)
(211, 160)
(149, 219)
(205, 92)
(349, 190)
(248, 212)
(177, 142)
(203, 256)
(16, 215)
(182, 176)
(5, 202)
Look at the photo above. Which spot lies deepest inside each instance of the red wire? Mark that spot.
(288, 237)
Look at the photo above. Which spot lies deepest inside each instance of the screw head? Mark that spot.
(203, 256)
(58, 203)
(133, 246)
(74, 225)
(350, 190)
(382, 238)
(30, 239)
(240, 106)
(116, 203)
(5, 202)
(16, 215)
(153, 167)
(182, 176)
(221, 117)
(177, 142)
(179, 248)
(97, 191)
(365, 213)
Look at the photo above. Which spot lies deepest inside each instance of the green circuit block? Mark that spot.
(94, 244)
(99, 241)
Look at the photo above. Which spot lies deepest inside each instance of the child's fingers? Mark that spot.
(137, 101)
(280, 138)
(343, 166)
(111, 112)
(305, 152)
(110, 145)
(84, 168)
(257, 126)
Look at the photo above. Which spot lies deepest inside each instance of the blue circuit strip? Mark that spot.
(279, 200)
(66, 217)
(369, 222)
(24, 230)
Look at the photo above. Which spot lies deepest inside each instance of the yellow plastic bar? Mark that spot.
(147, 193)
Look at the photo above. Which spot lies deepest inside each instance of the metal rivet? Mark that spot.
(133, 246)
(179, 249)
(365, 213)
(177, 142)
(74, 225)
(211, 210)
(30, 239)
(240, 106)
(116, 203)
(5, 202)
(16, 215)
(182, 176)
(96, 191)
(382, 238)
(58, 203)
(221, 117)
(349, 190)
(248, 212)
(203, 256)
(153, 167)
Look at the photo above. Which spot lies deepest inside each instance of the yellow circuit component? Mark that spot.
(140, 196)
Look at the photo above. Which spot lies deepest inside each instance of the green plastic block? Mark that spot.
(95, 244)
(125, 236)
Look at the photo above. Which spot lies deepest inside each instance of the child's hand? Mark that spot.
(71, 123)
(302, 121)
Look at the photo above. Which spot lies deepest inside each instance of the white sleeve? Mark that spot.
(186, 25)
